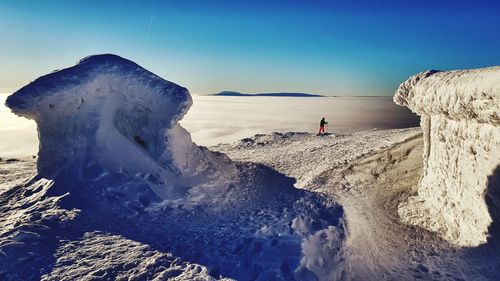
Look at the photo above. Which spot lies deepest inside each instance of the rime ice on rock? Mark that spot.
(460, 120)
(108, 113)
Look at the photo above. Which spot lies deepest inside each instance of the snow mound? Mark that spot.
(116, 170)
(460, 119)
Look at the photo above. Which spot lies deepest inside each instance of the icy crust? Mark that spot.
(461, 128)
(122, 192)
(457, 95)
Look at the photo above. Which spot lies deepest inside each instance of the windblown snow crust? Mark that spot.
(120, 180)
(460, 119)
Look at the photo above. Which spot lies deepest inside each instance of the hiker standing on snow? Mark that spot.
(322, 124)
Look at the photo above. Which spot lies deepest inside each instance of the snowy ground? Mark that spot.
(305, 156)
(369, 173)
(121, 192)
(259, 232)
(15, 172)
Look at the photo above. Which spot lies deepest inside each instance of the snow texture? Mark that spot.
(123, 193)
(460, 119)
(370, 173)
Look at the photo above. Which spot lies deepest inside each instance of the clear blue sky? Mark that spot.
(332, 47)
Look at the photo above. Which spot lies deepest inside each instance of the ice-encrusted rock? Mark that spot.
(460, 120)
(108, 114)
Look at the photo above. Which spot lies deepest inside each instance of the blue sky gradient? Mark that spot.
(323, 47)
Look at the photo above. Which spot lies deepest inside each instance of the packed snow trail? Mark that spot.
(370, 173)
(379, 243)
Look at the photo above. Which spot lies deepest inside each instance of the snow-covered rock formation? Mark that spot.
(460, 119)
(109, 113)
(115, 169)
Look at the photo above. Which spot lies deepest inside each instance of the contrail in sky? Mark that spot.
(150, 23)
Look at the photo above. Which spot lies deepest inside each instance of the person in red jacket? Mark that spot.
(322, 124)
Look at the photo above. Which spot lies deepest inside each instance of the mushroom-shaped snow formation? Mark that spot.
(460, 120)
(107, 113)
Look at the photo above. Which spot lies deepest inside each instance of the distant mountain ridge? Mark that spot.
(237, 94)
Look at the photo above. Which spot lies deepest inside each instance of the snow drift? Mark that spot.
(114, 165)
(460, 120)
